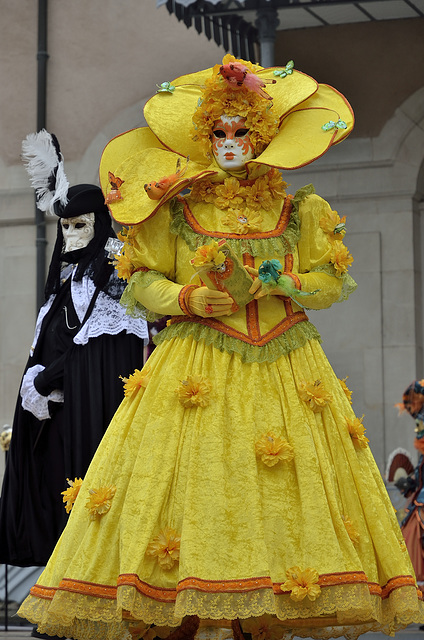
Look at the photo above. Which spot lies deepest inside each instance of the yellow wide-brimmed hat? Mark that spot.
(311, 117)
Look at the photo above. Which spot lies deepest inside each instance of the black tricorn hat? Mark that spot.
(82, 198)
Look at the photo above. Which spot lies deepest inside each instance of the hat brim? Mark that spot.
(138, 158)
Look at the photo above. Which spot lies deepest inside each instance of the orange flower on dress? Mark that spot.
(70, 495)
(194, 391)
(271, 449)
(242, 221)
(203, 191)
(123, 266)
(258, 195)
(302, 584)
(347, 391)
(315, 395)
(333, 225)
(350, 528)
(166, 548)
(357, 432)
(100, 501)
(137, 380)
(264, 627)
(228, 194)
(340, 257)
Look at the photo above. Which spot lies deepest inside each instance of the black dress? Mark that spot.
(43, 454)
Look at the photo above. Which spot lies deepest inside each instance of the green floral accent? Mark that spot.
(256, 247)
(330, 125)
(165, 87)
(294, 338)
(349, 285)
(286, 71)
(134, 308)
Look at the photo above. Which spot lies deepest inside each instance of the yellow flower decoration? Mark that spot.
(350, 528)
(219, 98)
(228, 194)
(333, 225)
(258, 195)
(242, 221)
(302, 584)
(203, 191)
(264, 627)
(340, 257)
(123, 266)
(357, 432)
(402, 545)
(271, 449)
(276, 185)
(137, 380)
(315, 395)
(100, 501)
(166, 548)
(194, 391)
(70, 495)
(347, 391)
(208, 254)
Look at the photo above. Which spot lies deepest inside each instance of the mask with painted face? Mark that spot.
(231, 144)
(77, 231)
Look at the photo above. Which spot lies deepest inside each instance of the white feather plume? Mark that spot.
(42, 160)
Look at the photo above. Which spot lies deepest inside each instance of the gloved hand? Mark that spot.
(209, 303)
(33, 401)
(286, 286)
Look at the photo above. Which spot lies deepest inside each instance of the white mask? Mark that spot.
(231, 144)
(78, 231)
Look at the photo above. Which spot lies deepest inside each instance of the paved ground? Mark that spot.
(410, 633)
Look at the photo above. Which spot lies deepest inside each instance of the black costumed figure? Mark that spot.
(412, 486)
(234, 492)
(71, 387)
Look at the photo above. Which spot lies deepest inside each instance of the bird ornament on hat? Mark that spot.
(292, 120)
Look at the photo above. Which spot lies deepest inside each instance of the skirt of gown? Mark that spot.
(200, 525)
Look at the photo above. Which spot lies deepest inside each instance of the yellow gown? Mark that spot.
(234, 481)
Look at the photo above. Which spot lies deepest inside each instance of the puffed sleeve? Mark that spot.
(149, 253)
(323, 257)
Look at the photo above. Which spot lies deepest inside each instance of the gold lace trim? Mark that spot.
(350, 608)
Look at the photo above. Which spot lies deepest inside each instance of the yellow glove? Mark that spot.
(208, 303)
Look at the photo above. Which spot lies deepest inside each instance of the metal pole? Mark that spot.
(267, 22)
(40, 224)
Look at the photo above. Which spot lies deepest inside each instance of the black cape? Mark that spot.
(43, 454)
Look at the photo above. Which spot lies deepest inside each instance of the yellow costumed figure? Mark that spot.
(234, 493)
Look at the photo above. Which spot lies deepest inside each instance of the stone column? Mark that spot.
(267, 22)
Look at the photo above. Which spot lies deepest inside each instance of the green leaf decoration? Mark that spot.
(330, 125)
(165, 87)
(286, 71)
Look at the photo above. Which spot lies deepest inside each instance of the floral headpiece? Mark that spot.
(292, 124)
(219, 97)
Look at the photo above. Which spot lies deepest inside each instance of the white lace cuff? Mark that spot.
(34, 402)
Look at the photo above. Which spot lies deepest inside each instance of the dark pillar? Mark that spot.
(40, 224)
(267, 22)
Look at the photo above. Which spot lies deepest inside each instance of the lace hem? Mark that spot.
(295, 337)
(348, 610)
(134, 308)
(256, 247)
